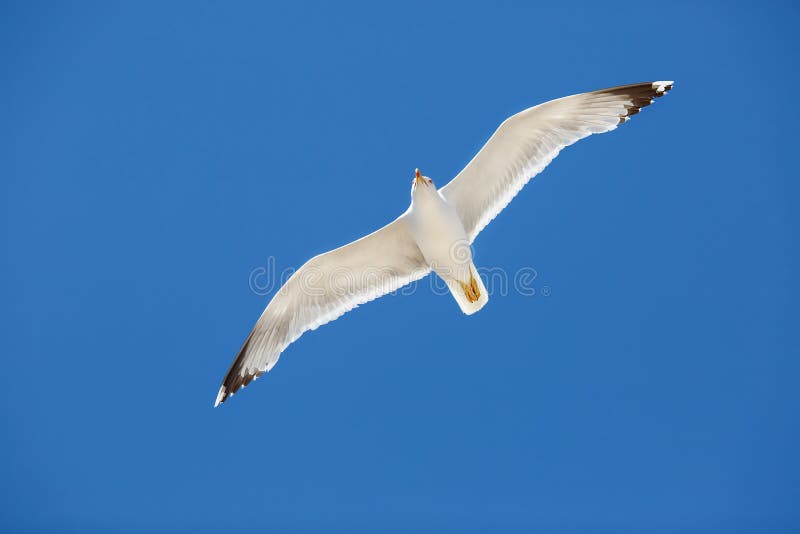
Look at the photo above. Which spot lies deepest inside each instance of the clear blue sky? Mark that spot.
(153, 156)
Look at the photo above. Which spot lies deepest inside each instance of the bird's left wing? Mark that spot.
(323, 289)
(525, 143)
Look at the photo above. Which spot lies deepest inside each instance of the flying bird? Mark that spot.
(437, 229)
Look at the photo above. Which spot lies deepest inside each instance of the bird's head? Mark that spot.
(421, 183)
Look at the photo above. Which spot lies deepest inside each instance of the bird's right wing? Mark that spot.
(324, 288)
(525, 143)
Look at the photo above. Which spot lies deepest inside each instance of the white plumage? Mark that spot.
(436, 230)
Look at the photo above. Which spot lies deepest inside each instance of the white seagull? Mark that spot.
(435, 232)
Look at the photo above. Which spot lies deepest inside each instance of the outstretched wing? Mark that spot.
(323, 289)
(525, 143)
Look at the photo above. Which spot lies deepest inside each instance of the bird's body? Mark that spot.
(439, 233)
(438, 229)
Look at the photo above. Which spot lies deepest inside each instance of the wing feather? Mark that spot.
(323, 289)
(527, 142)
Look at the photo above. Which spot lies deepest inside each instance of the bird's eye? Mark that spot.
(430, 182)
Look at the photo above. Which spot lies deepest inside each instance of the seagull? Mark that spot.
(436, 231)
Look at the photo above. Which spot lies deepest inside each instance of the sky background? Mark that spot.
(152, 156)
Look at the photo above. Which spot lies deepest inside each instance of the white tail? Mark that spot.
(470, 296)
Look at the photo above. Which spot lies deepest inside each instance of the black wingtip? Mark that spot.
(640, 94)
(238, 376)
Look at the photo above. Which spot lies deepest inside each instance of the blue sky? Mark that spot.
(152, 156)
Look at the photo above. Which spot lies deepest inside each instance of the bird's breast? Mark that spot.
(439, 233)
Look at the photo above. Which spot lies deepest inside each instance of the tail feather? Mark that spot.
(471, 296)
